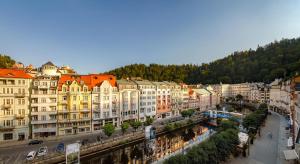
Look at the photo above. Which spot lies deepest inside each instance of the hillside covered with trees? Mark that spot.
(275, 60)
(6, 61)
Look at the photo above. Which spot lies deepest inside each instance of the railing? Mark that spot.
(19, 116)
(6, 106)
(19, 95)
(43, 121)
(84, 101)
(106, 145)
(7, 128)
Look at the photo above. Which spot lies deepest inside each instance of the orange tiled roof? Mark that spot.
(14, 73)
(90, 80)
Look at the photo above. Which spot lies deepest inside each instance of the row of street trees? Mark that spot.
(254, 120)
(109, 128)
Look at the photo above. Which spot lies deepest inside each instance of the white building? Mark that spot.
(14, 104)
(147, 99)
(49, 69)
(43, 106)
(105, 97)
(129, 100)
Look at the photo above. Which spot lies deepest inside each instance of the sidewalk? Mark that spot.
(266, 150)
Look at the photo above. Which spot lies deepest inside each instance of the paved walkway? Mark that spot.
(266, 150)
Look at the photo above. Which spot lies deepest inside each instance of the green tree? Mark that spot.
(124, 127)
(6, 61)
(136, 124)
(109, 129)
(148, 121)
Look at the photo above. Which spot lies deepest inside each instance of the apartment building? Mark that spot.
(204, 97)
(129, 100)
(74, 105)
(163, 100)
(14, 104)
(185, 92)
(44, 106)
(147, 99)
(105, 100)
(176, 98)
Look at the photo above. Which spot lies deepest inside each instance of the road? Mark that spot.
(17, 153)
(266, 150)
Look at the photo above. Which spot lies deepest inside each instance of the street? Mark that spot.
(17, 153)
(266, 150)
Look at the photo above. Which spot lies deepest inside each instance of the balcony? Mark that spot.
(7, 128)
(39, 130)
(19, 116)
(84, 110)
(19, 95)
(63, 111)
(96, 101)
(85, 119)
(96, 110)
(6, 106)
(84, 101)
(43, 121)
(63, 102)
(43, 87)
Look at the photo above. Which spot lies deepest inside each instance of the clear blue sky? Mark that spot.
(96, 36)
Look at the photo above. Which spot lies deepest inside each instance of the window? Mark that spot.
(74, 116)
(43, 100)
(43, 109)
(43, 117)
(74, 98)
(64, 98)
(64, 89)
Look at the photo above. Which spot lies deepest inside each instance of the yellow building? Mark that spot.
(74, 105)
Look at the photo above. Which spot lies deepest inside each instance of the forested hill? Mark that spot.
(275, 60)
(6, 61)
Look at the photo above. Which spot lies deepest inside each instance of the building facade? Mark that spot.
(147, 99)
(163, 100)
(14, 99)
(44, 106)
(74, 105)
(129, 100)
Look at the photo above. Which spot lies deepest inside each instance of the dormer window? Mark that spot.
(85, 89)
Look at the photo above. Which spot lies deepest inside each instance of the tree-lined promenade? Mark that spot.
(220, 147)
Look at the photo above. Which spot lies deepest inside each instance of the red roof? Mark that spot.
(90, 80)
(14, 73)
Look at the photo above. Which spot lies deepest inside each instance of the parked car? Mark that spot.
(34, 142)
(42, 151)
(60, 148)
(31, 155)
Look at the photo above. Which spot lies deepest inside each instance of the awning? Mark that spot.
(290, 154)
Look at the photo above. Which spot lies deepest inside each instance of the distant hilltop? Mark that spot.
(279, 59)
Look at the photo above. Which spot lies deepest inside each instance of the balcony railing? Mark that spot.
(85, 110)
(7, 128)
(6, 106)
(43, 121)
(84, 101)
(19, 95)
(19, 116)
